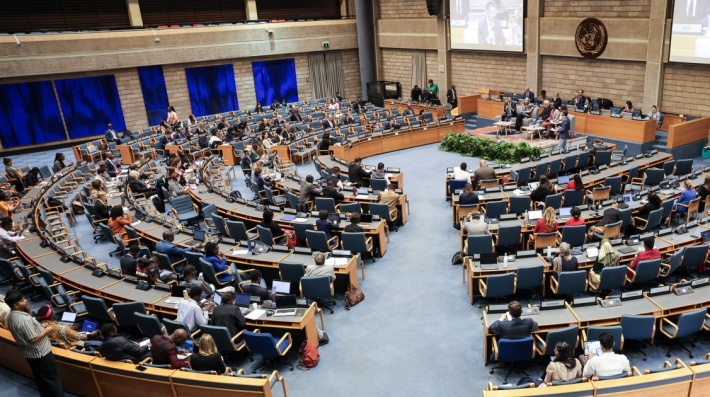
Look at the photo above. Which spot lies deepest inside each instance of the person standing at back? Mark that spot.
(564, 132)
(33, 341)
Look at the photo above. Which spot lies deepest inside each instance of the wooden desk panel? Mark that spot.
(615, 128)
(468, 103)
(75, 372)
(687, 132)
(662, 384)
(437, 111)
(228, 155)
(126, 154)
(575, 390)
(489, 109)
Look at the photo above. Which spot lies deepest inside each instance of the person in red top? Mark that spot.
(647, 255)
(575, 184)
(576, 219)
(546, 224)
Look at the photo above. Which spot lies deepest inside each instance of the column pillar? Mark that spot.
(442, 49)
(134, 13)
(251, 10)
(653, 87)
(365, 43)
(532, 43)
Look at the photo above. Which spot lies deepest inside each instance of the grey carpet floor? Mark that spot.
(416, 333)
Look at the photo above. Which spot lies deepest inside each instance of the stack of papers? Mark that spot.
(337, 262)
(518, 192)
(135, 223)
(592, 252)
(302, 220)
(362, 196)
(255, 314)
(240, 252)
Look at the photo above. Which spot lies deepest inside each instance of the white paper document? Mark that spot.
(337, 262)
(255, 314)
(240, 252)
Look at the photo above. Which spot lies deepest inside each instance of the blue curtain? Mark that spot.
(29, 114)
(212, 89)
(89, 103)
(275, 80)
(155, 96)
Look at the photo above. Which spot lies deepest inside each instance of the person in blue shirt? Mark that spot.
(324, 225)
(468, 197)
(688, 194)
(174, 253)
(218, 261)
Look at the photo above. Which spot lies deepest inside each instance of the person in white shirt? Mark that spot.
(320, 268)
(190, 312)
(462, 173)
(8, 238)
(608, 363)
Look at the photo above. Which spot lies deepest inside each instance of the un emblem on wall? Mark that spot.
(591, 38)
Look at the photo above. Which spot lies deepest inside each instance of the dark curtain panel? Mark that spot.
(29, 114)
(212, 89)
(155, 96)
(89, 103)
(275, 80)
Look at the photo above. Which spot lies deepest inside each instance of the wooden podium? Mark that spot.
(228, 155)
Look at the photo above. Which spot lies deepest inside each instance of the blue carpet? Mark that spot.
(415, 334)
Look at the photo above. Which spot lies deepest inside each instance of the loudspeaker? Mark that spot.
(433, 6)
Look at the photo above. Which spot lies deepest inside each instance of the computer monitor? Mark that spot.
(534, 215)
(281, 287)
(562, 179)
(242, 300)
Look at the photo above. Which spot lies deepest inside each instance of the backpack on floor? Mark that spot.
(159, 204)
(457, 259)
(309, 356)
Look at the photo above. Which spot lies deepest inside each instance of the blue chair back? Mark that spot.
(674, 263)
(291, 272)
(222, 338)
(261, 343)
(479, 244)
(456, 184)
(555, 167)
(668, 167)
(582, 160)
(325, 203)
(612, 277)
(500, 285)
(691, 323)
(529, 277)
(654, 219)
(237, 230)
(315, 287)
(351, 207)
(300, 230)
(667, 207)
(615, 330)
(647, 270)
(694, 256)
(265, 235)
(574, 235)
(568, 335)
(616, 185)
(518, 205)
(512, 350)
(379, 184)
(523, 176)
(148, 325)
(554, 201)
(96, 307)
(684, 167)
(172, 326)
(317, 240)
(572, 282)
(540, 170)
(495, 209)
(124, 312)
(602, 157)
(355, 242)
(219, 224)
(573, 198)
(509, 236)
(625, 216)
(637, 327)
(654, 176)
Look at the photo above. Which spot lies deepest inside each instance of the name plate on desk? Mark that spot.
(554, 304)
(527, 254)
(659, 290)
(616, 241)
(631, 295)
(500, 308)
(701, 282)
(588, 301)
(646, 235)
(508, 217)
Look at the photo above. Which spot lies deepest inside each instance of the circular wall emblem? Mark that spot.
(591, 38)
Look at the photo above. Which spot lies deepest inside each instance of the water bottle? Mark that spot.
(505, 261)
(549, 251)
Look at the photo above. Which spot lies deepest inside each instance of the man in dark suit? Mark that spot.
(482, 173)
(356, 173)
(129, 261)
(416, 94)
(511, 326)
(529, 95)
(605, 103)
(579, 100)
(255, 289)
(452, 97)
(489, 30)
(328, 123)
(358, 106)
(510, 110)
(296, 116)
(113, 167)
(112, 135)
(330, 191)
(228, 315)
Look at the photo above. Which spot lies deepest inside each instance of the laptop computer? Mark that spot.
(365, 218)
(334, 218)
(285, 305)
(242, 302)
(565, 212)
(705, 236)
(197, 238)
(489, 261)
(177, 290)
(68, 318)
(281, 287)
(89, 326)
(533, 216)
(562, 179)
(533, 185)
(363, 192)
(217, 298)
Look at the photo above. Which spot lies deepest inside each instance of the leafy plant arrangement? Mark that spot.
(496, 150)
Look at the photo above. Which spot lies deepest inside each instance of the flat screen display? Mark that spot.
(690, 38)
(494, 25)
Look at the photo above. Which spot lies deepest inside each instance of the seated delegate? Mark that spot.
(511, 326)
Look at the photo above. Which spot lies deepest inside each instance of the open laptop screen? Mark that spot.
(242, 300)
(562, 179)
(565, 212)
(706, 236)
(281, 287)
(534, 215)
